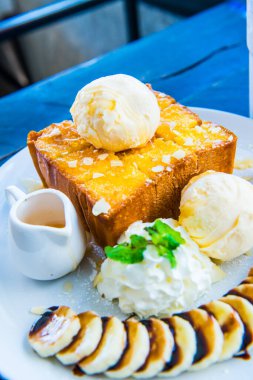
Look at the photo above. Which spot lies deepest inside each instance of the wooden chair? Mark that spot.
(13, 26)
(42, 16)
(184, 7)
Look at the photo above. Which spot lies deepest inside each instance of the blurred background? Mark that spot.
(39, 38)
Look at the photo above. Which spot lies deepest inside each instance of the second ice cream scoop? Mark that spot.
(217, 212)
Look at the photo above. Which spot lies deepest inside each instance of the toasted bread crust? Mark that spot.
(159, 198)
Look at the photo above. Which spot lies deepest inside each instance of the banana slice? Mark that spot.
(184, 349)
(136, 352)
(209, 338)
(54, 331)
(248, 280)
(109, 350)
(161, 346)
(244, 291)
(231, 326)
(85, 342)
(245, 310)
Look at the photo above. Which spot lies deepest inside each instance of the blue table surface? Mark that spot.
(201, 61)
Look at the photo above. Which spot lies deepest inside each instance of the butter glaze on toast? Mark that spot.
(139, 184)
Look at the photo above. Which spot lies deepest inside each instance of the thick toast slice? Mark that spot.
(138, 184)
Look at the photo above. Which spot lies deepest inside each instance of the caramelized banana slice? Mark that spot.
(245, 311)
(136, 352)
(109, 350)
(244, 291)
(184, 347)
(209, 338)
(85, 341)
(54, 330)
(161, 346)
(248, 280)
(231, 326)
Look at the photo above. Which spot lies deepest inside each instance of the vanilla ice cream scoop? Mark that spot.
(116, 112)
(217, 212)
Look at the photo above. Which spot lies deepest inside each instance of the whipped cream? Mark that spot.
(217, 212)
(153, 287)
(116, 112)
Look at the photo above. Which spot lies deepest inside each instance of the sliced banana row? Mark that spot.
(155, 347)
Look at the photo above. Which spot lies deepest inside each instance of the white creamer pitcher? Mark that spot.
(47, 239)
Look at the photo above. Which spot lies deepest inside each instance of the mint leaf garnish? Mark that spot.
(168, 254)
(162, 236)
(166, 240)
(128, 253)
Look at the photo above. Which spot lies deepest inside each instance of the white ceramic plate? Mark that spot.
(18, 294)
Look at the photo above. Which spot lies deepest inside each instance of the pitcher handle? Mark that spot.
(13, 194)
